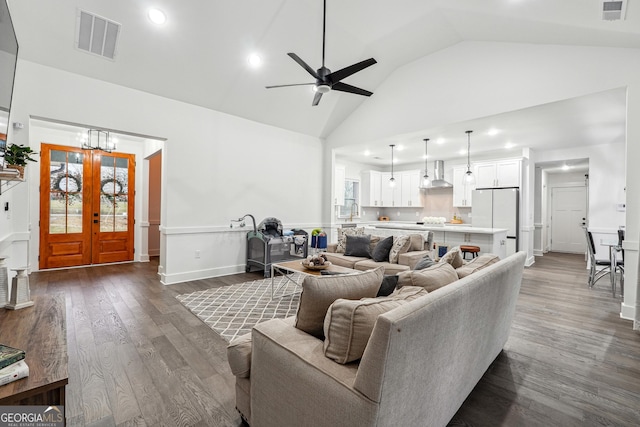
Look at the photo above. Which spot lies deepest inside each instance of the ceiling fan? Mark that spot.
(325, 79)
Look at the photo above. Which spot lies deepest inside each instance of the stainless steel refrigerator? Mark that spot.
(498, 208)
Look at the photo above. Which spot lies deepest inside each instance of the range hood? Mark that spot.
(438, 178)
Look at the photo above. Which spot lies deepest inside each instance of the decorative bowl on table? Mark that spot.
(316, 262)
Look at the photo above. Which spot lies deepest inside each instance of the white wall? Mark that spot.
(479, 79)
(215, 166)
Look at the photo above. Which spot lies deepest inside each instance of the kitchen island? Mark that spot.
(490, 240)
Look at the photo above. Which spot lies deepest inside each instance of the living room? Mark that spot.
(278, 157)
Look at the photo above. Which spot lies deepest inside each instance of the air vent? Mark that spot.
(613, 10)
(96, 34)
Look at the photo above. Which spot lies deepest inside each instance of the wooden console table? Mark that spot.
(40, 331)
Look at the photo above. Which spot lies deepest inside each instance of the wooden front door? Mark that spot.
(86, 210)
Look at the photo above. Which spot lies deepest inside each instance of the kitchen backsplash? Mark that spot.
(436, 202)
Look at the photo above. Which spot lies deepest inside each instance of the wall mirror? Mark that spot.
(8, 58)
(351, 206)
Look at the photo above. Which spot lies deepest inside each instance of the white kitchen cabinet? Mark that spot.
(390, 196)
(371, 188)
(339, 178)
(498, 174)
(461, 190)
(410, 189)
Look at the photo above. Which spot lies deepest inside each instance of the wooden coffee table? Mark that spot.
(296, 266)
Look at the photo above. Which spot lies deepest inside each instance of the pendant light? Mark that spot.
(97, 139)
(426, 182)
(469, 178)
(392, 180)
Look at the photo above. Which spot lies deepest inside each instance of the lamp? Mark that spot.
(99, 140)
(392, 180)
(469, 179)
(425, 179)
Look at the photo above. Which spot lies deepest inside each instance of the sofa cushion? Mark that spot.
(430, 278)
(348, 323)
(425, 262)
(358, 246)
(453, 257)
(342, 237)
(239, 355)
(368, 264)
(381, 251)
(388, 285)
(417, 242)
(319, 292)
(343, 260)
(478, 263)
(401, 245)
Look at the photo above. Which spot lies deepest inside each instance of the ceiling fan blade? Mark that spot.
(343, 87)
(303, 65)
(295, 84)
(316, 99)
(336, 76)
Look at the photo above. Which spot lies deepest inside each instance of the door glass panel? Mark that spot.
(65, 192)
(114, 179)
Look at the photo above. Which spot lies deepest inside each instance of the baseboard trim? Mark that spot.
(627, 312)
(188, 276)
(538, 252)
(530, 261)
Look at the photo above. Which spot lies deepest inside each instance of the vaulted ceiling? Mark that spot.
(199, 55)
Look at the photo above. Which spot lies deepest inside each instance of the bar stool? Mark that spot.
(473, 250)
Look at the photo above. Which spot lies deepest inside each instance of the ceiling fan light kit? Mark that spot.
(325, 79)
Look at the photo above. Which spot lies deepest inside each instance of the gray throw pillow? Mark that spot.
(358, 246)
(425, 262)
(381, 252)
(387, 286)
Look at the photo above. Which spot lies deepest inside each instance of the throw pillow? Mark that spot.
(319, 292)
(453, 257)
(381, 251)
(417, 242)
(432, 278)
(401, 245)
(358, 246)
(388, 285)
(349, 324)
(342, 237)
(425, 262)
(374, 243)
(478, 263)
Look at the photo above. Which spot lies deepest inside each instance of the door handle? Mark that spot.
(95, 221)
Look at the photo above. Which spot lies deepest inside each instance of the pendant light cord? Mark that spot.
(425, 157)
(392, 145)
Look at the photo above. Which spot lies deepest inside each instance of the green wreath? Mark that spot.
(67, 177)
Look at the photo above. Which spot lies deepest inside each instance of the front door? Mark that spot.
(86, 209)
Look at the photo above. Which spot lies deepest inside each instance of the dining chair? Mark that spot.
(620, 263)
(594, 273)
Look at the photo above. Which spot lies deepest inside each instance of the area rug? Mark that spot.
(233, 310)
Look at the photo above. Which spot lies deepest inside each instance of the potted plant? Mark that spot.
(16, 157)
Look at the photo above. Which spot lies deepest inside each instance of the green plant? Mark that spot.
(18, 155)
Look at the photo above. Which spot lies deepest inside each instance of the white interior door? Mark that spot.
(568, 215)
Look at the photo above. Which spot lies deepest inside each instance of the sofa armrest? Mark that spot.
(292, 380)
(412, 258)
(331, 247)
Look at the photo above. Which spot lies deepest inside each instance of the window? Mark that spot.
(351, 206)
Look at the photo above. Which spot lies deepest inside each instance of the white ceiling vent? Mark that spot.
(613, 10)
(97, 35)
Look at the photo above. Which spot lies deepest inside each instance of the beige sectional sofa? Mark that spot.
(406, 260)
(421, 361)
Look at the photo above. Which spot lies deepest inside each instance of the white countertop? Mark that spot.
(461, 228)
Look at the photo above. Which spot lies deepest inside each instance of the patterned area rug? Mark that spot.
(233, 310)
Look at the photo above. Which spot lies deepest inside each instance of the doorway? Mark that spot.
(86, 206)
(568, 216)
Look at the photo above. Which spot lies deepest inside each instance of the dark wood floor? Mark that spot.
(138, 357)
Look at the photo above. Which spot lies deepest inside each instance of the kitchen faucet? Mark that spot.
(351, 213)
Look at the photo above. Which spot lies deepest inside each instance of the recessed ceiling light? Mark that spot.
(440, 141)
(493, 132)
(157, 16)
(367, 153)
(395, 160)
(254, 60)
(509, 145)
(425, 157)
(462, 152)
(565, 167)
(400, 147)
